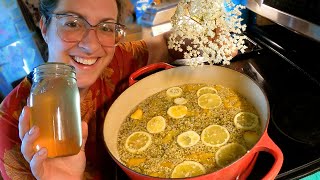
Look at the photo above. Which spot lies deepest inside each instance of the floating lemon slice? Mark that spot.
(156, 124)
(137, 114)
(205, 90)
(188, 169)
(246, 120)
(215, 136)
(178, 111)
(188, 139)
(174, 92)
(251, 138)
(229, 153)
(180, 101)
(138, 142)
(209, 101)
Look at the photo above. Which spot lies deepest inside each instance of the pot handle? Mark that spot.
(147, 70)
(266, 144)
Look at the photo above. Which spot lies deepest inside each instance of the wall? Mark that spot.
(19, 52)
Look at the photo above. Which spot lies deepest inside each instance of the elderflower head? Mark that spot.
(214, 33)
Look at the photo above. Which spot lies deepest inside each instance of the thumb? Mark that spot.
(37, 162)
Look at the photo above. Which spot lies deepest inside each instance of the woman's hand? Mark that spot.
(42, 167)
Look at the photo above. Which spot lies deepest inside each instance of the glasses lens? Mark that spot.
(71, 29)
(109, 34)
(106, 33)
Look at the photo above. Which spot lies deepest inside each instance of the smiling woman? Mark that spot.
(86, 35)
(102, 69)
(102, 64)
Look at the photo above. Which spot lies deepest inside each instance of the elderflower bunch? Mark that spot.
(211, 31)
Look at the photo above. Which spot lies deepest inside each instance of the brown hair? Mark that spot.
(46, 8)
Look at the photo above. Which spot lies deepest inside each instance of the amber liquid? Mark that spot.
(55, 109)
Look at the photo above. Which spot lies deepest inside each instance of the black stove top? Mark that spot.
(283, 67)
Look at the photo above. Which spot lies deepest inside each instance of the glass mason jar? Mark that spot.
(55, 109)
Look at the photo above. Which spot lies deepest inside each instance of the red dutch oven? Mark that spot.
(210, 74)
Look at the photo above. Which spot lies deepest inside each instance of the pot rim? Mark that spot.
(153, 76)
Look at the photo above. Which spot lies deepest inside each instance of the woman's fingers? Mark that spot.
(27, 143)
(37, 162)
(27, 135)
(24, 121)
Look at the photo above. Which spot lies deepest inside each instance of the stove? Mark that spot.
(294, 95)
(286, 66)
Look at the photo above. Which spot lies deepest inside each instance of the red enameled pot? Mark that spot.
(168, 77)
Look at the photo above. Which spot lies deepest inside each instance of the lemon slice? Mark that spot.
(209, 101)
(178, 111)
(138, 142)
(229, 153)
(137, 114)
(188, 169)
(215, 136)
(188, 139)
(156, 124)
(174, 92)
(246, 120)
(205, 90)
(180, 101)
(251, 138)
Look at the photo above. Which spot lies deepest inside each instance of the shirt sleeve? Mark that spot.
(128, 57)
(12, 163)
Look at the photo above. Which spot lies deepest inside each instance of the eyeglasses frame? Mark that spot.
(122, 29)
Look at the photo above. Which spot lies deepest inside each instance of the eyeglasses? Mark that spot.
(72, 28)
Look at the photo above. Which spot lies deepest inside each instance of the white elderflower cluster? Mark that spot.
(205, 28)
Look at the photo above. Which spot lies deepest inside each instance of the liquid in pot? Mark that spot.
(188, 130)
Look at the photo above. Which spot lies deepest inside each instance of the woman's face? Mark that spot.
(89, 49)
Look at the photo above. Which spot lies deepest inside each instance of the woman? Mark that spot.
(102, 71)
(102, 68)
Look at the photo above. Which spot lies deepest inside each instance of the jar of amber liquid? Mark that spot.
(55, 109)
